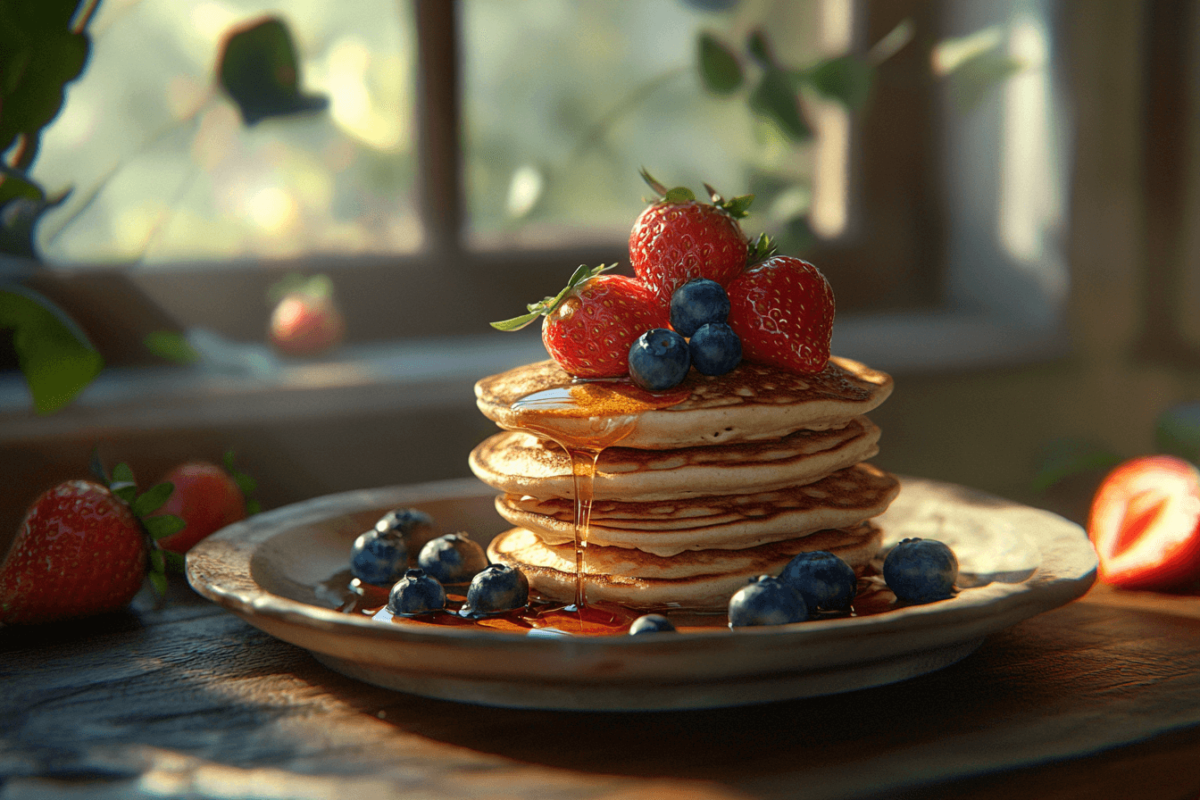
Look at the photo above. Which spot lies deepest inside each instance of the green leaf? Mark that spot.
(161, 526)
(259, 70)
(974, 65)
(764, 248)
(760, 49)
(96, 466)
(680, 194)
(658, 188)
(1177, 431)
(893, 42)
(245, 483)
(171, 345)
(719, 66)
(158, 562)
(158, 580)
(318, 286)
(14, 185)
(739, 206)
(252, 507)
(775, 99)
(39, 55)
(152, 499)
(175, 561)
(971, 84)
(582, 274)
(55, 356)
(123, 484)
(1065, 457)
(845, 79)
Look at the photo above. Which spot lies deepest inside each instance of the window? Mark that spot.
(473, 153)
(946, 232)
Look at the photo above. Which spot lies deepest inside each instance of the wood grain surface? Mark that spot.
(1100, 698)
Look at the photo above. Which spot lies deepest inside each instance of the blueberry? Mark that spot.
(405, 521)
(766, 601)
(659, 359)
(452, 559)
(650, 623)
(826, 582)
(379, 558)
(920, 570)
(697, 303)
(415, 594)
(496, 589)
(715, 349)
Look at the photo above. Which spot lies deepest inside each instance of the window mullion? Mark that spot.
(439, 167)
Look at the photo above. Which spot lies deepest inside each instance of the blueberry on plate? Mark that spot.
(650, 623)
(452, 559)
(826, 582)
(416, 594)
(766, 601)
(697, 303)
(715, 349)
(659, 359)
(496, 589)
(405, 521)
(379, 558)
(920, 570)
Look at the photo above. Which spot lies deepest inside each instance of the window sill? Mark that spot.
(250, 385)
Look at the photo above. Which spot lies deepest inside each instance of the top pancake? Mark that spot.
(751, 403)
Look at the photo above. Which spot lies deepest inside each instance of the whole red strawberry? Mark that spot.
(782, 310)
(590, 325)
(680, 238)
(307, 320)
(206, 498)
(80, 551)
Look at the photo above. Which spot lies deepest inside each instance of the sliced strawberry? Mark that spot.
(1145, 524)
(590, 325)
(680, 238)
(782, 310)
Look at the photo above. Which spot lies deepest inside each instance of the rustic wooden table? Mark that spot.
(1098, 699)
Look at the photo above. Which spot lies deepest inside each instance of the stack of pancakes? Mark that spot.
(749, 469)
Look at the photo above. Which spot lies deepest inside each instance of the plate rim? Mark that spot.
(235, 546)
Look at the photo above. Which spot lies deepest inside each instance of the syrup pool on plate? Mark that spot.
(546, 617)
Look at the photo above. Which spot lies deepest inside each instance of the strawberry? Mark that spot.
(206, 498)
(590, 325)
(782, 310)
(306, 321)
(680, 238)
(1145, 524)
(82, 550)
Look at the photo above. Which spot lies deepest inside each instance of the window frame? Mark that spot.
(887, 314)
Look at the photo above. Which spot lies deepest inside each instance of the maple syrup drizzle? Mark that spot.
(583, 419)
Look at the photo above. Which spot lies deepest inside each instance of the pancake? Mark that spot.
(751, 403)
(521, 464)
(694, 579)
(666, 529)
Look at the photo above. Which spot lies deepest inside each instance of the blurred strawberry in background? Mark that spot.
(207, 497)
(306, 320)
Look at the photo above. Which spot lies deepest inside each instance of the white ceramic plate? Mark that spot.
(1015, 562)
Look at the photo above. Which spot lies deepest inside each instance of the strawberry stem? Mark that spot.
(546, 306)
